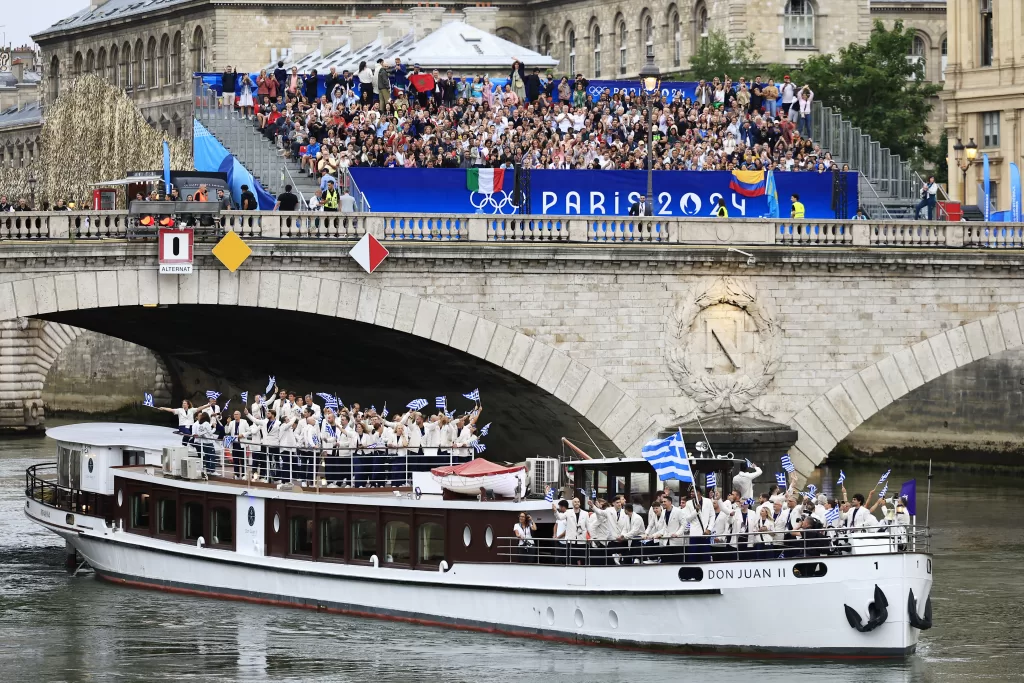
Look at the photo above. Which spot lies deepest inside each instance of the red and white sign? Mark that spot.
(369, 253)
(175, 250)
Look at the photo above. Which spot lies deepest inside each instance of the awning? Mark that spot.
(133, 180)
(475, 468)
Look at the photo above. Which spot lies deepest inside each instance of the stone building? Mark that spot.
(20, 113)
(984, 95)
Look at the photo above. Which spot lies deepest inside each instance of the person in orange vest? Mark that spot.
(201, 194)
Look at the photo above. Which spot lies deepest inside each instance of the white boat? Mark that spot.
(470, 477)
(126, 505)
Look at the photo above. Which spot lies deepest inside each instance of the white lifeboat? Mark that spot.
(468, 478)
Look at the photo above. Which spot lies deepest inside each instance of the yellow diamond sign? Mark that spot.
(231, 251)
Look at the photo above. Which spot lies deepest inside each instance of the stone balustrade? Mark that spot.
(88, 225)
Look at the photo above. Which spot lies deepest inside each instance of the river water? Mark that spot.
(57, 628)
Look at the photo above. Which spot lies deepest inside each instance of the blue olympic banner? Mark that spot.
(576, 193)
(210, 155)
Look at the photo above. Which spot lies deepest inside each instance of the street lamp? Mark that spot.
(32, 190)
(964, 155)
(650, 81)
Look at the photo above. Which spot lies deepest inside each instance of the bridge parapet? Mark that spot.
(84, 225)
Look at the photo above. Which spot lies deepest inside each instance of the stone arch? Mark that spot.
(830, 417)
(619, 416)
(53, 79)
(510, 34)
(198, 50)
(90, 61)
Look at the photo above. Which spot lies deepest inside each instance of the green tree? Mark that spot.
(716, 56)
(877, 88)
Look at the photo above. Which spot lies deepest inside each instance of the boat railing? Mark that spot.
(886, 539)
(41, 485)
(340, 467)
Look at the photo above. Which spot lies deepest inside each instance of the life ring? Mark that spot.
(923, 623)
(877, 613)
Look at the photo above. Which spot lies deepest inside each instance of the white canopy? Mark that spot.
(131, 180)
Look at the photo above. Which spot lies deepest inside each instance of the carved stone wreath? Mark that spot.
(713, 393)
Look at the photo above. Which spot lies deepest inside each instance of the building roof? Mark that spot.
(110, 10)
(148, 437)
(28, 115)
(7, 79)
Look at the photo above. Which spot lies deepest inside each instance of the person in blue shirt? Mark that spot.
(312, 149)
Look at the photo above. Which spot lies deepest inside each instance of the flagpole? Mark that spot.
(928, 503)
(706, 440)
(591, 439)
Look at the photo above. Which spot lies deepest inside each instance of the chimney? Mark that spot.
(483, 18)
(27, 94)
(97, 3)
(18, 69)
(364, 32)
(303, 41)
(426, 20)
(393, 25)
(333, 36)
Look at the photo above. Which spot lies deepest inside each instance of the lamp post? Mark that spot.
(32, 190)
(650, 81)
(964, 156)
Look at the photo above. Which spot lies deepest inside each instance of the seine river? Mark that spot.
(57, 628)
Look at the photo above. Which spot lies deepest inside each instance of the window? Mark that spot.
(572, 51)
(300, 535)
(140, 511)
(54, 80)
(622, 47)
(649, 36)
(944, 59)
(987, 42)
(701, 23)
(165, 60)
(101, 63)
(332, 537)
(799, 23)
(79, 61)
(176, 58)
(192, 515)
(917, 50)
(90, 62)
(597, 52)
(167, 517)
(431, 543)
(544, 41)
(364, 539)
(990, 129)
(131, 458)
(222, 528)
(198, 50)
(138, 77)
(149, 78)
(112, 66)
(396, 542)
(124, 69)
(677, 39)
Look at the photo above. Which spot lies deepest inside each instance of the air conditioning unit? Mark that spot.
(171, 456)
(542, 473)
(191, 468)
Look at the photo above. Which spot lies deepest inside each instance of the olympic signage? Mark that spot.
(594, 193)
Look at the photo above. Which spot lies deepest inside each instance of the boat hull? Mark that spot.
(645, 607)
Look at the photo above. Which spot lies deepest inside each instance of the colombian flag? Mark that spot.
(748, 183)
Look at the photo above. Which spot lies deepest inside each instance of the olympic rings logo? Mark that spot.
(488, 203)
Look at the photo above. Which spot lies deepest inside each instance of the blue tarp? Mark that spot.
(210, 155)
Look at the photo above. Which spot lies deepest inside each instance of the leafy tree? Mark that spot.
(934, 156)
(877, 88)
(717, 56)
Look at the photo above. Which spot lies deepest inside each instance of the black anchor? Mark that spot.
(877, 613)
(924, 623)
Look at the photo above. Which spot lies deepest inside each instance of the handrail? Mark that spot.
(58, 496)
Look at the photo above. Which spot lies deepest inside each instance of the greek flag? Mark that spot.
(227, 403)
(832, 516)
(441, 402)
(316, 439)
(780, 479)
(329, 400)
(245, 397)
(842, 478)
(384, 413)
(750, 465)
(417, 404)
(549, 497)
(787, 464)
(884, 477)
(473, 395)
(270, 385)
(213, 395)
(812, 490)
(885, 490)
(479, 447)
(228, 440)
(593, 494)
(487, 428)
(712, 480)
(668, 458)
(147, 400)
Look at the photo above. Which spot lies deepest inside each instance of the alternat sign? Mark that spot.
(175, 250)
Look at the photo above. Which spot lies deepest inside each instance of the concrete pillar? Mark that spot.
(303, 41)
(364, 32)
(483, 18)
(426, 20)
(333, 36)
(477, 229)
(23, 366)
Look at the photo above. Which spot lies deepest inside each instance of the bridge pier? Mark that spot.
(24, 360)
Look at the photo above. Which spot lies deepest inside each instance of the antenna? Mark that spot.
(705, 437)
(591, 439)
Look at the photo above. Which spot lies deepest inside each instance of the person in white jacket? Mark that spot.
(602, 529)
(743, 482)
(764, 539)
(238, 430)
(576, 522)
(697, 513)
(720, 528)
(744, 523)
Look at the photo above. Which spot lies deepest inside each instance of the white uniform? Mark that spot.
(744, 524)
(744, 482)
(575, 524)
(720, 527)
(860, 519)
(634, 527)
(699, 517)
(602, 525)
(186, 418)
(763, 528)
(431, 438)
(655, 526)
(675, 525)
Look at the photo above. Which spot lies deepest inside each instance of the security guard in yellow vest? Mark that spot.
(330, 197)
(798, 207)
(721, 211)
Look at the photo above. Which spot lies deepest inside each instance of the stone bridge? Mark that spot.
(818, 325)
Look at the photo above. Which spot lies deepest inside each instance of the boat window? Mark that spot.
(396, 542)
(332, 537)
(300, 537)
(76, 469)
(130, 457)
(809, 570)
(63, 466)
(192, 515)
(167, 517)
(640, 489)
(364, 539)
(691, 574)
(140, 511)
(432, 542)
(222, 528)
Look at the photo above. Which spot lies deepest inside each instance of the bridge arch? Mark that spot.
(615, 413)
(830, 417)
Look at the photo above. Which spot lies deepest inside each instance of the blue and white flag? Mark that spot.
(712, 479)
(330, 401)
(228, 440)
(884, 477)
(315, 438)
(780, 479)
(441, 402)
(549, 497)
(417, 404)
(812, 490)
(227, 403)
(147, 400)
(212, 395)
(787, 463)
(832, 516)
(486, 428)
(668, 458)
(384, 413)
(750, 465)
(593, 494)
(479, 447)
(270, 385)
(885, 490)
(245, 397)
(473, 395)
(842, 478)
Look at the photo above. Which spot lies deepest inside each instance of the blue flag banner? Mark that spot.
(1016, 214)
(832, 516)
(549, 497)
(597, 193)
(167, 167)
(712, 480)
(245, 398)
(987, 186)
(147, 400)
(772, 195)
(668, 458)
(787, 463)
(842, 478)
(211, 155)
(908, 492)
(780, 479)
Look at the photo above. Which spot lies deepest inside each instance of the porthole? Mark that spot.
(277, 522)
(488, 536)
(120, 497)
(691, 574)
(467, 536)
(578, 617)
(809, 570)
(613, 619)
(550, 614)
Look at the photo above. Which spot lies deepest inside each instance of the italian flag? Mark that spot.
(485, 180)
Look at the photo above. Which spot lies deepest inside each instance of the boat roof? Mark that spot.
(146, 437)
(698, 463)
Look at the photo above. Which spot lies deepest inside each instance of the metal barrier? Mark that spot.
(48, 492)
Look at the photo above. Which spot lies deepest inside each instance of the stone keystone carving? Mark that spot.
(723, 345)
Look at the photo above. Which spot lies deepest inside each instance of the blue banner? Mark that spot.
(986, 180)
(1015, 193)
(574, 193)
(210, 155)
